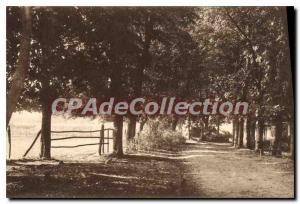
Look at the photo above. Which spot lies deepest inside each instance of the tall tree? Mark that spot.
(18, 78)
(49, 71)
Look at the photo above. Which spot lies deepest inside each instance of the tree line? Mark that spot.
(237, 54)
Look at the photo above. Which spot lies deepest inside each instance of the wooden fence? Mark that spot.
(103, 140)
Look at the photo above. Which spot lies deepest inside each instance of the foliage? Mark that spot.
(157, 136)
(233, 53)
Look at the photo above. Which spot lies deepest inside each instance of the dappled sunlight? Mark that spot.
(149, 102)
(178, 157)
(115, 176)
(205, 151)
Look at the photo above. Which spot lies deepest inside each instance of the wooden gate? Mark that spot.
(103, 139)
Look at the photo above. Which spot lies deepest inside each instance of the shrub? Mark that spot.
(214, 137)
(227, 135)
(157, 136)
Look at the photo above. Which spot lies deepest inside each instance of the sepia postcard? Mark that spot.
(150, 102)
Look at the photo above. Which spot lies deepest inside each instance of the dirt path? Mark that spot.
(219, 171)
(198, 170)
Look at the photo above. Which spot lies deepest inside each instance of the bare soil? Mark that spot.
(202, 170)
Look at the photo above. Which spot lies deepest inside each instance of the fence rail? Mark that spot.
(102, 139)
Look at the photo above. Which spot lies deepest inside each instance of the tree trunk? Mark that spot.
(189, 127)
(261, 127)
(233, 131)
(241, 133)
(142, 123)
(248, 132)
(47, 94)
(218, 125)
(206, 131)
(206, 119)
(278, 136)
(202, 131)
(118, 136)
(174, 123)
(252, 134)
(46, 131)
(131, 127)
(17, 82)
(237, 132)
(116, 91)
(144, 61)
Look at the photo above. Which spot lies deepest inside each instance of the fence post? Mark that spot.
(9, 141)
(101, 139)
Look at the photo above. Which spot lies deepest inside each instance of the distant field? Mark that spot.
(25, 125)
